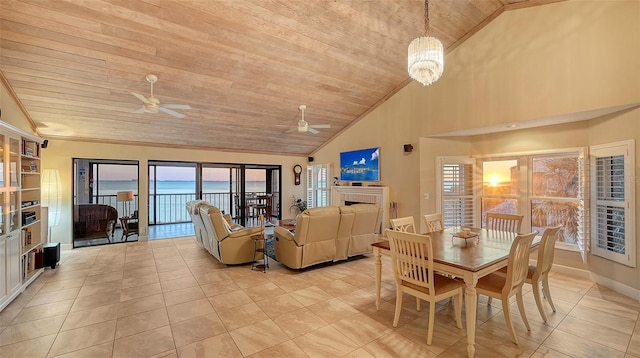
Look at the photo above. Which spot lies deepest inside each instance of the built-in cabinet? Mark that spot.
(20, 212)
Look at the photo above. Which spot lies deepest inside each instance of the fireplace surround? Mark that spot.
(379, 195)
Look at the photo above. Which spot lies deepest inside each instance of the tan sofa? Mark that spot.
(230, 243)
(328, 234)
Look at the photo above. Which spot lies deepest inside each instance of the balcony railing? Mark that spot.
(171, 208)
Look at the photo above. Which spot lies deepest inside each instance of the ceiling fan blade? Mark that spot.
(141, 97)
(311, 130)
(177, 106)
(173, 113)
(140, 110)
(320, 126)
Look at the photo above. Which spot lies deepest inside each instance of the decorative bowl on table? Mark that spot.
(465, 234)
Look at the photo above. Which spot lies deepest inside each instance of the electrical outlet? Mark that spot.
(426, 196)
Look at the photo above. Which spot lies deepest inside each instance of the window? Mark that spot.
(547, 188)
(318, 190)
(457, 200)
(557, 196)
(612, 202)
(500, 187)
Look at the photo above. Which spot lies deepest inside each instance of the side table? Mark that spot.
(260, 238)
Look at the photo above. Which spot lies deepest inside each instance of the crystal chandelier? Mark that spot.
(425, 60)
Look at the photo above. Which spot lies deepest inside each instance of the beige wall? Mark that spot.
(59, 155)
(528, 64)
(538, 62)
(11, 113)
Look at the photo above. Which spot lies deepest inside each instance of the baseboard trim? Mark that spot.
(601, 280)
(572, 271)
(616, 286)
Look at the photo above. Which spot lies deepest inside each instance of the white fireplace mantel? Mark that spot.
(363, 194)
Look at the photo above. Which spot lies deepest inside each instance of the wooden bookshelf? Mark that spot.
(20, 218)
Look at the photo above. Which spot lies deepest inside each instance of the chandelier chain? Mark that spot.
(426, 17)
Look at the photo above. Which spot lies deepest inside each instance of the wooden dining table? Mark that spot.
(468, 258)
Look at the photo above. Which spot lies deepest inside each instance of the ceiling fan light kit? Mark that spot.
(152, 104)
(304, 127)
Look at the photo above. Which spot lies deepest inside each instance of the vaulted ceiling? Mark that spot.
(243, 66)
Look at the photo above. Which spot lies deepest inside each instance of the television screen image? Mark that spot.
(360, 165)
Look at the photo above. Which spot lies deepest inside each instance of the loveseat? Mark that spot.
(94, 221)
(229, 243)
(328, 234)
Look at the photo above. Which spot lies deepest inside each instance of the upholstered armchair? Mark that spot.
(230, 245)
(193, 208)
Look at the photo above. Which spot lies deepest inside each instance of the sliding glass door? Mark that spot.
(104, 192)
(233, 188)
(171, 186)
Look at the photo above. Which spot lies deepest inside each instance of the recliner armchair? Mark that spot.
(230, 245)
(193, 208)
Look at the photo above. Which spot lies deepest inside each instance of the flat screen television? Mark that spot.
(360, 165)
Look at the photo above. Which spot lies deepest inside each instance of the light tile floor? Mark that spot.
(170, 298)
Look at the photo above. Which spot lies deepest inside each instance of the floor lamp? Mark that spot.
(125, 197)
(51, 197)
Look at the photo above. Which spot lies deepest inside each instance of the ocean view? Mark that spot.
(112, 187)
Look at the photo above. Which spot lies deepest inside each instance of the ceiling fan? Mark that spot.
(304, 126)
(152, 104)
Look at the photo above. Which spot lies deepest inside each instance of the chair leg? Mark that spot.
(507, 319)
(535, 285)
(489, 301)
(547, 293)
(396, 317)
(432, 318)
(521, 309)
(457, 304)
(418, 304)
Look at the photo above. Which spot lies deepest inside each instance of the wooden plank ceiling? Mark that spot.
(244, 66)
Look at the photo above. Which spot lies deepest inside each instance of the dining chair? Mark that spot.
(503, 287)
(405, 224)
(412, 260)
(433, 222)
(503, 222)
(263, 206)
(540, 272)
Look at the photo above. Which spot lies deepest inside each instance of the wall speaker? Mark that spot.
(310, 159)
(408, 148)
(45, 143)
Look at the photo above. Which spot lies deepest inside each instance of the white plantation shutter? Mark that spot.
(584, 226)
(612, 202)
(318, 189)
(310, 188)
(456, 199)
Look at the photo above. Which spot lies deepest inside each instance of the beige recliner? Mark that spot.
(193, 208)
(229, 245)
(314, 240)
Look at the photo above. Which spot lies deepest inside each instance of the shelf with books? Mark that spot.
(20, 211)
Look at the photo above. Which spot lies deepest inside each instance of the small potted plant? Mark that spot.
(298, 205)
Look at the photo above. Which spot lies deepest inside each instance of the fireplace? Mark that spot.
(348, 195)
